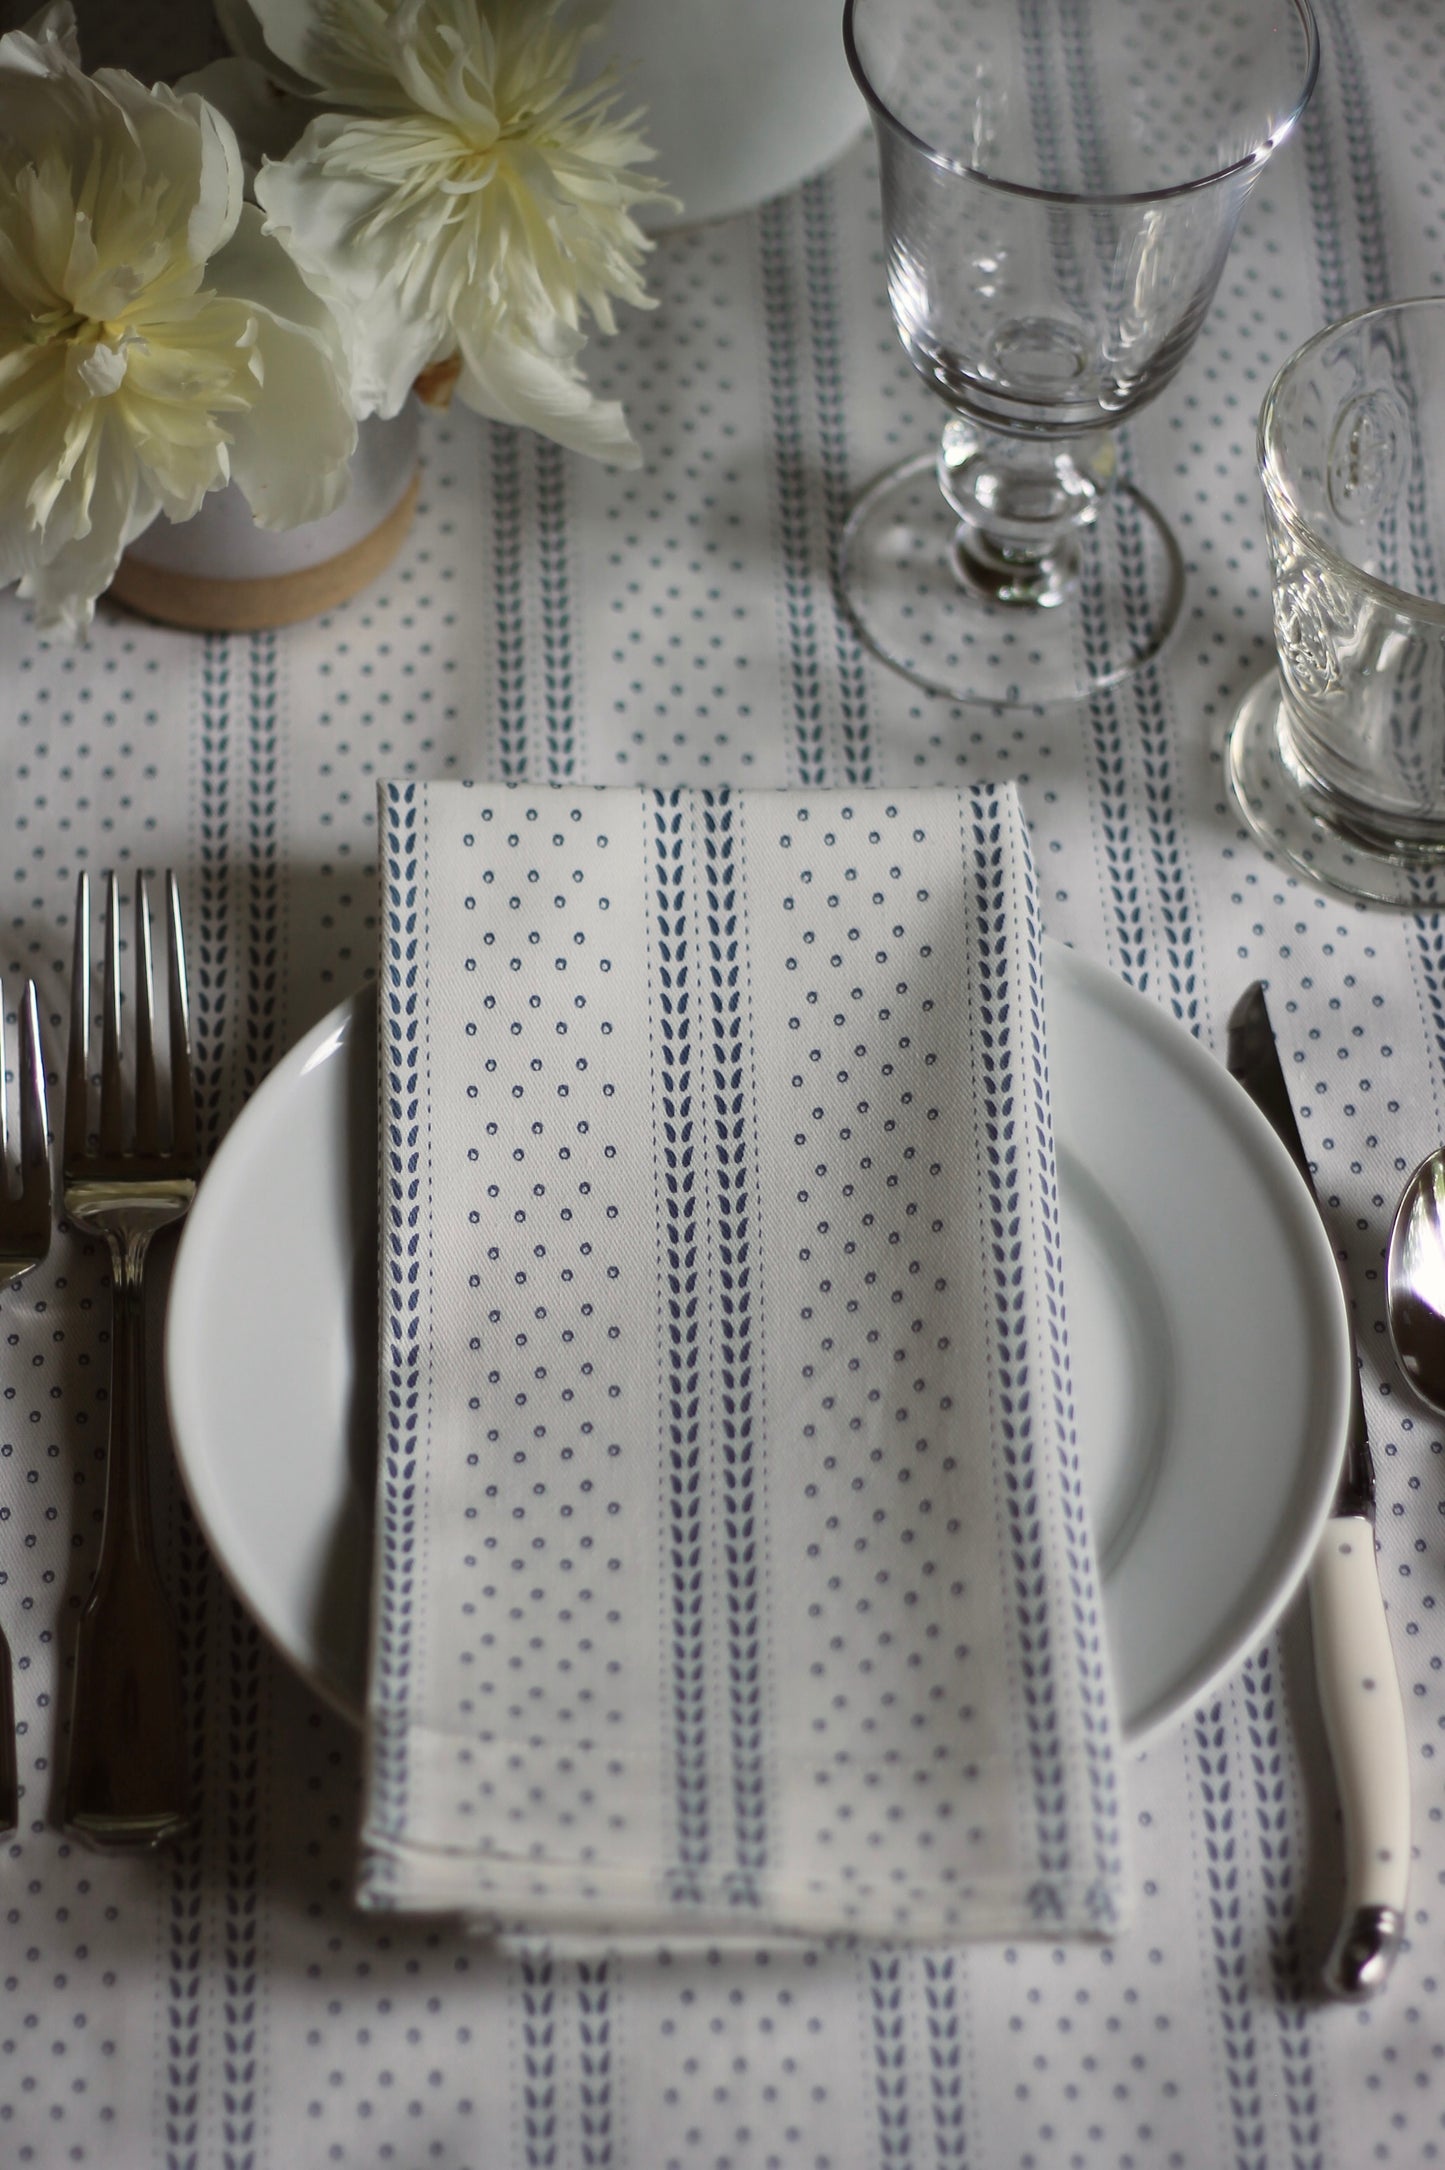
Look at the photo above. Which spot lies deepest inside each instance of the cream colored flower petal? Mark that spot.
(247, 41)
(20, 548)
(375, 285)
(191, 145)
(510, 381)
(253, 267)
(49, 41)
(449, 57)
(346, 52)
(268, 120)
(64, 587)
(290, 452)
(291, 456)
(191, 380)
(44, 57)
(23, 459)
(94, 368)
(113, 186)
(45, 247)
(38, 421)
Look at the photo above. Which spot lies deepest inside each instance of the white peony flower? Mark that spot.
(154, 344)
(469, 206)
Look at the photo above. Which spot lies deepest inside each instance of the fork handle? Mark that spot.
(9, 1767)
(125, 1784)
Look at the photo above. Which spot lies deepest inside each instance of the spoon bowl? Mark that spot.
(1415, 1280)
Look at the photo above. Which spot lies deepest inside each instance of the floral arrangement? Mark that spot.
(438, 203)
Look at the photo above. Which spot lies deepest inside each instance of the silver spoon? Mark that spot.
(1415, 1280)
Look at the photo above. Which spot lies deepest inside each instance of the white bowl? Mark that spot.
(744, 100)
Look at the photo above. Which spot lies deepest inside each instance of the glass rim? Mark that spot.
(946, 163)
(1272, 471)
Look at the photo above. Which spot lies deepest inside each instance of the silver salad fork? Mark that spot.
(125, 1781)
(24, 1240)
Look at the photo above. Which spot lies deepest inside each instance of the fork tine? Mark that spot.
(77, 1060)
(35, 1189)
(147, 1114)
(112, 1128)
(183, 1096)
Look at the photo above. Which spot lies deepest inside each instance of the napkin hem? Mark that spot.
(502, 1898)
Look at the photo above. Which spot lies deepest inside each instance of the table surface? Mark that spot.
(225, 2004)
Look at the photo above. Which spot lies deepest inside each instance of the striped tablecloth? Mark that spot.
(227, 2004)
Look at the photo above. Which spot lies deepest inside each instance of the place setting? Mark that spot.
(722, 1052)
(289, 1464)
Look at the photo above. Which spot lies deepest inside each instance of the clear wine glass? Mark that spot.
(1061, 181)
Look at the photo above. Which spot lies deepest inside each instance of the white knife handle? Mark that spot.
(1365, 1721)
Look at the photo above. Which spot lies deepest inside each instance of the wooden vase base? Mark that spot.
(203, 603)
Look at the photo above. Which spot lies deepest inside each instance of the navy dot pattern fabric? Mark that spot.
(730, 1568)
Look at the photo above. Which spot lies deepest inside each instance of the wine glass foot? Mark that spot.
(1288, 817)
(897, 570)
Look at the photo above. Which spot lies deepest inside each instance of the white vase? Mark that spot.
(743, 100)
(220, 572)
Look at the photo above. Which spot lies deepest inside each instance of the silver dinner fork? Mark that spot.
(125, 1782)
(24, 1240)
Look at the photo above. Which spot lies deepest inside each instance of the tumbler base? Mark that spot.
(1299, 824)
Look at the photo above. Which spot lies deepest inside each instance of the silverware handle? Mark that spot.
(1365, 1723)
(125, 1783)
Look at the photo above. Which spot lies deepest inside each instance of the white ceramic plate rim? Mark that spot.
(259, 1359)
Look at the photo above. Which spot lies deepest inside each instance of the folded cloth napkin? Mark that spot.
(733, 1576)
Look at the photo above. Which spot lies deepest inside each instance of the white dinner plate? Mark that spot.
(1206, 1321)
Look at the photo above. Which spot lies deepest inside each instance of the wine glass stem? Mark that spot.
(1022, 503)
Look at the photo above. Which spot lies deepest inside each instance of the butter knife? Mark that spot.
(1354, 1664)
